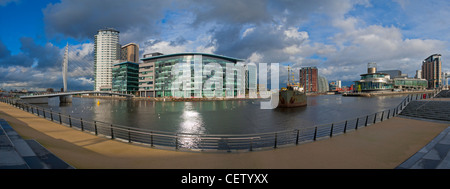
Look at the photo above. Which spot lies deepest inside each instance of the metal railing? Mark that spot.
(210, 142)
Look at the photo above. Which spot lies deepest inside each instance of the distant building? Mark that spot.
(392, 73)
(125, 77)
(374, 81)
(251, 78)
(147, 78)
(323, 84)
(431, 71)
(106, 53)
(130, 53)
(153, 54)
(418, 74)
(309, 78)
(410, 83)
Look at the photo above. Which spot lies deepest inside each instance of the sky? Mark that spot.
(338, 36)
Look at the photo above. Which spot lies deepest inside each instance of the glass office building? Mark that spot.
(125, 77)
(410, 83)
(188, 85)
(374, 82)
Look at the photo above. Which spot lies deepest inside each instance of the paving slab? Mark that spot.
(435, 155)
(10, 159)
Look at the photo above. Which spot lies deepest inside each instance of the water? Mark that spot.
(222, 117)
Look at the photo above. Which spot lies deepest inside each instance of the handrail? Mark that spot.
(215, 142)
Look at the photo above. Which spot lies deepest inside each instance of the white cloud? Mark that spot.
(248, 31)
(255, 58)
(293, 33)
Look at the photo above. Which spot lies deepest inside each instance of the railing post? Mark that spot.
(298, 133)
(82, 126)
(275, 143)
(357, 121)
(60, 121)
(345, 126)
(70, 121)
(382, 116)
(129, 136)
(389, 113)
(367, 117)
(112, 132)
(176, 142)
(43, 112)
(37, 111)
(95, 127)
(251, 144)
(331, 130)
(151, 138)
(315, 133)
(374, 118)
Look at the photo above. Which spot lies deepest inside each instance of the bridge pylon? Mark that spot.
(65, 66)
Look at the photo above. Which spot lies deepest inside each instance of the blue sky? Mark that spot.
(339, 37)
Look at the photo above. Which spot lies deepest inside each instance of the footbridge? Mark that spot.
(66, 97)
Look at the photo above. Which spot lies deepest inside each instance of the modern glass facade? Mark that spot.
(125, 77)
(407, 83)
(193, 83)
(374, 81)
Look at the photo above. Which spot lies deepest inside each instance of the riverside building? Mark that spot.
(125, 77)
(374, 81)
(106, 53)
(309, 79)
(156, 79)
(431, 71)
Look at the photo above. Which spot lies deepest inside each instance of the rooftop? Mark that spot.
(108, 29)
(126, 62)
(193, 53)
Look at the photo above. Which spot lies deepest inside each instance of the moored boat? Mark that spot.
(292, 96)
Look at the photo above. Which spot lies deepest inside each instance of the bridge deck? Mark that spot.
(75, 93)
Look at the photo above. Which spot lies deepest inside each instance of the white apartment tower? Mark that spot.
(106, 53)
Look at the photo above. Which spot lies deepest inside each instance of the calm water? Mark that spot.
(222, 117)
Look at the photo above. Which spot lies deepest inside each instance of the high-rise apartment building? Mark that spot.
(106, 53)
(130, 53)
(309, 78)
(431, 71)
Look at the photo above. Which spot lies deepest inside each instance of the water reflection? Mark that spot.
(190, 122)
(222, 117)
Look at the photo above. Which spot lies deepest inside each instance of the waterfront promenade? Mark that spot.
(384, 145)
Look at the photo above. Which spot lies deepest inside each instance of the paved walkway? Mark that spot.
(435, 155)
(383, 145)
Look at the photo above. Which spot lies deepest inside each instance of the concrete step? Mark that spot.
(443, 94)
(437, 110)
